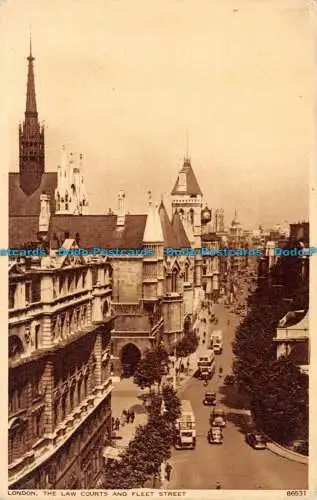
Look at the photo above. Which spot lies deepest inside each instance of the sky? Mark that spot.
(125, 82)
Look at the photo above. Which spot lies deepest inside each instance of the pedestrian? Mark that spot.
(113, 423)
(117, 424)
(128, 416)
(132, 416)
(168, 471)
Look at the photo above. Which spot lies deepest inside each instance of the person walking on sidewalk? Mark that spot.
(132, 416)
(168, 471)
(117, 424)
(128, 416)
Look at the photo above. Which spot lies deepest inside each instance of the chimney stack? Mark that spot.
(121, 208)
(45, 213)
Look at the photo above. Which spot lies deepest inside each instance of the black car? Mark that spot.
(256, 440)
(209, 399)
(229, 380)
(215, 435)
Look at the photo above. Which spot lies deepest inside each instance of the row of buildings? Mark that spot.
(75, 321)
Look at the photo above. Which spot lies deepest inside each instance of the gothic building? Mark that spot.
(70, 194)
(187, 202)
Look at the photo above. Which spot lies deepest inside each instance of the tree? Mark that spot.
(150, 369)
(144, 455)
(172, 404)
(187, 345)
(281, 403)
(277, 389)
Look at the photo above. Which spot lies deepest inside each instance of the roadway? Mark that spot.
(234, 463)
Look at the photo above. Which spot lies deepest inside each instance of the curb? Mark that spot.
(285, 453)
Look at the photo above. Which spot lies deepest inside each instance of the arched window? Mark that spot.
(15, 347)
(64, 407)
(191, 216)
(71, 397)
(186, 276)
(56, 413)
(174, 281)
(86, 386)
(79, 398)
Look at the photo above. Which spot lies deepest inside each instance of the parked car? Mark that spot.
(256, 440)
(217, 418)
(215, 435)
(301, 446)
(209, 399)
(229, 380)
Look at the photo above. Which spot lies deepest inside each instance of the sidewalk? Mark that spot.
(125, 397)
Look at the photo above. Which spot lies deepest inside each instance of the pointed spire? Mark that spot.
(170, 239)
(153, 229)
(186, 183)
(30, 91)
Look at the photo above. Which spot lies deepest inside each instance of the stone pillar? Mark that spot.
(46, 289)
(48, 382)
(98, 356)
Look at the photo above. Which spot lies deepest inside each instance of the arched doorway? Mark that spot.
(130, 357)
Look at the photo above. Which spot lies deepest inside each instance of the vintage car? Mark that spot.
(209, 399)
(217, 418)
(215, 435)
(229, 380)
(256, 440)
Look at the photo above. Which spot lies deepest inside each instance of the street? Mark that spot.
(234, 464)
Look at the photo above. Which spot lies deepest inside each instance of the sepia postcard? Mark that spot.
(158, 248)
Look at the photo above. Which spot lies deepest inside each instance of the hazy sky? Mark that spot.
(122, 81)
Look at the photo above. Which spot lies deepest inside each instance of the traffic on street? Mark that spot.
(225, 456)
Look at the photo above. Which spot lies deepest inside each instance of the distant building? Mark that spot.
(299, 232)
(219, 220)
(292, 339)
(70, 194)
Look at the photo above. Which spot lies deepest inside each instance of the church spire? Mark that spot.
(30, 110)
(31, 138)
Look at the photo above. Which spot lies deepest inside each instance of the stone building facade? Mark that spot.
(59, 371)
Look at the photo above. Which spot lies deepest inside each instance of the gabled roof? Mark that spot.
(170, 239)
(191, 186)
(89, 230)
(23, 230)
(183, 241)
(132, 234)
(21, 204)
(98, 231)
